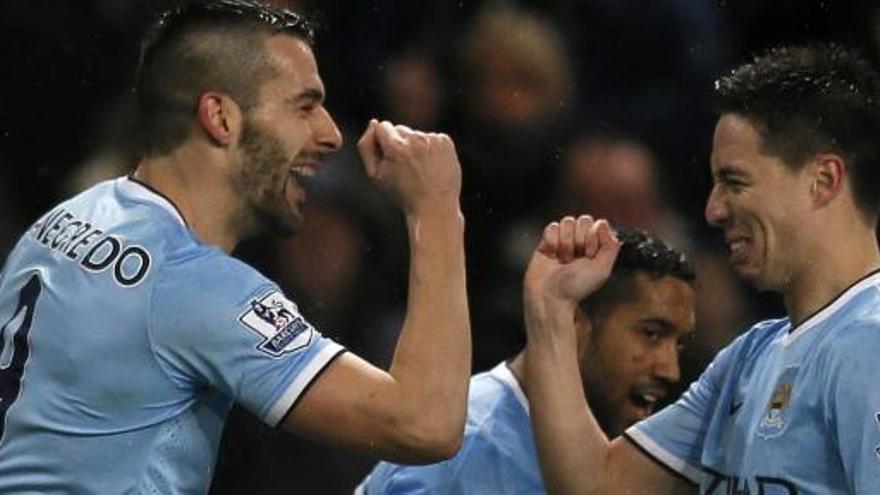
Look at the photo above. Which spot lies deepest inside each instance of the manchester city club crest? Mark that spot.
(777, 415)
(275, 318)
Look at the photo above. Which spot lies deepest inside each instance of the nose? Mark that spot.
(326, 132)
(666, 365)
(716, 211)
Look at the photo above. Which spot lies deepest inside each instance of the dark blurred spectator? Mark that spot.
(512, 115)
(414, 90)
(514, 107)
(648, 67)
(615, 177)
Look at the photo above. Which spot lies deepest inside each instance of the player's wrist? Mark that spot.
(436, 209)
(549, 319)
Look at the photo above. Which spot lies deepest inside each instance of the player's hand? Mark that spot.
(573, 260)
(419, 169)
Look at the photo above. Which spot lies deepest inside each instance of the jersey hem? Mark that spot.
(675, 465)
(304, 380)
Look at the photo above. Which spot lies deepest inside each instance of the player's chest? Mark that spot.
(769, 433)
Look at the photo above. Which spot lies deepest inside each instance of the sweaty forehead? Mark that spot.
(667, 298)
(294, 62)
(735, 136)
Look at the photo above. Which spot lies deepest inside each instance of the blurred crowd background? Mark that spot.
(565, 106)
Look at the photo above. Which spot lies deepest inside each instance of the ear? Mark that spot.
(220, 117)
(829, 171)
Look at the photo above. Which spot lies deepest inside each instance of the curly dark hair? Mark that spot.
(640, 252)
(217, 45)
(805, 100)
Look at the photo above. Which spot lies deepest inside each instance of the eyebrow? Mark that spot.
(667, 325)
(312, 95)
(727, 171)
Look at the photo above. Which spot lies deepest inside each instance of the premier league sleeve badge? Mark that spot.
(277, 320)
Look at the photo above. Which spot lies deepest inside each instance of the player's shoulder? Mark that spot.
(495, 393)
(855, 338)
(855, 326)
(210, 275)
(497, 417)
(112, 213)
(753, 341)
(483, 451)
(184, 266)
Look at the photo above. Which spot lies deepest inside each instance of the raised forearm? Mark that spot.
(415, 412)
(571, 446)
(432, 361)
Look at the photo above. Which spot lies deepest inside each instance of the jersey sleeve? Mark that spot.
(674, 437)
(853, 408)
(218, 323)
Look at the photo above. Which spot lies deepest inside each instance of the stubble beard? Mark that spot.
(264, 166)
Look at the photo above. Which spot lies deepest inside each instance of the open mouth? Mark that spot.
(739, 249)
(296, 186)
(303, 175)
(645, 402)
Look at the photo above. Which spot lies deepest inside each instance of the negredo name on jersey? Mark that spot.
(81, 241)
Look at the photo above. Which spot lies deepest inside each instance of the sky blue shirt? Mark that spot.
(781, 411)
(124, 343)
(497, 455)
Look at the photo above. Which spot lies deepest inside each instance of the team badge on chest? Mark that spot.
(276, 318)
(778, 412)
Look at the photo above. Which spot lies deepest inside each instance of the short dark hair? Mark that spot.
(806, 100)
(640, 253)
(216, 45)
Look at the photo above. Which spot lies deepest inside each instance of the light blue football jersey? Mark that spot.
(124, 343)
(782, 410)
(497, 455)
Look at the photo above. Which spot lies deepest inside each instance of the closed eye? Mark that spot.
(731, 179)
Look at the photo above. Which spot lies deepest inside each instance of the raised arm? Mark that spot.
(573, 260)
(415, 412)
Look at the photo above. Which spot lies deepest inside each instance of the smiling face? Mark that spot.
(284, 138)
(630, 359)
(759, 203)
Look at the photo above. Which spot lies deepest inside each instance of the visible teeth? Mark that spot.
(303, 171)
(737, 246)
(650, 399)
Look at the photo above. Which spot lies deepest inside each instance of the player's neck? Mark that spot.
(844, 261)
(517, 368)
(183, 177)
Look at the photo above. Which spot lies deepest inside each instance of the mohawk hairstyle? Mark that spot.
(205, 45)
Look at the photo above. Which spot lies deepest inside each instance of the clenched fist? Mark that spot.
(572, 261)
(419, 169)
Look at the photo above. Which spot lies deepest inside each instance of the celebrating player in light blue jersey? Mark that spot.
(793, 405)
(628, 335)
(128, 330)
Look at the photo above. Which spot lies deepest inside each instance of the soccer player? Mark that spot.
(128, 330)
(628, 335)
(792, 406)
